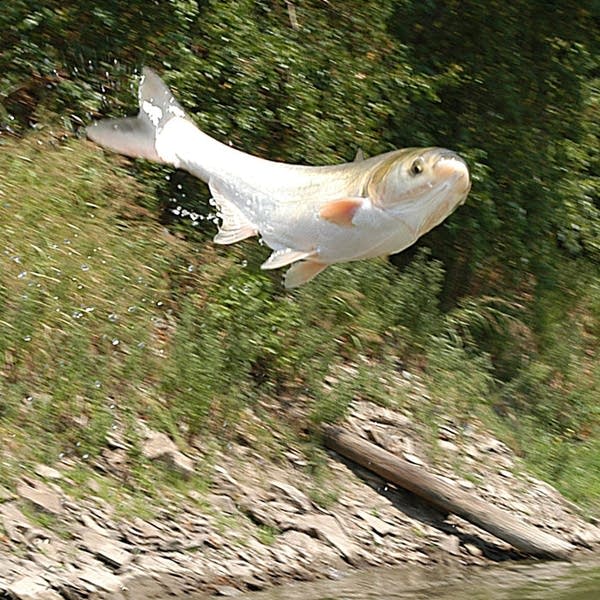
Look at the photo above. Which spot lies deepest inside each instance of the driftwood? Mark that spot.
(499, 522)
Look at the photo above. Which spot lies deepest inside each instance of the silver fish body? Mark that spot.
(311, 217)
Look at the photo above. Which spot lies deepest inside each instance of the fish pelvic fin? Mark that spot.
(342, 211)
(235, 226)
(282, 258)
(303, 272)
(137, 136)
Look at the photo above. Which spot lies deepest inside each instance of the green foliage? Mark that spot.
(105, 317)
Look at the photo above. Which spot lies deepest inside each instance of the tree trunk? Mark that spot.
(501, 523)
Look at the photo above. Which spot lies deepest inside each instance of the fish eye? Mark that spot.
(417, 166)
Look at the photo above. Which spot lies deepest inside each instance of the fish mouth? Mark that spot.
(454, 170)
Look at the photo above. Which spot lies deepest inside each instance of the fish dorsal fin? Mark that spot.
(342, 211)
(281, 258)
(360, 155)
(235, 226)
(302, 272)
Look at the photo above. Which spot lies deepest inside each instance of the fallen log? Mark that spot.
(525, 538)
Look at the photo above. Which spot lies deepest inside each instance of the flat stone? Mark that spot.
(101, 578)
(222, 503)
(15, 522)
(450, 544)
(413, 458)
(294, 495)
(47, 472)
(159, 446)
(447, 446)
(227, 591)
(41, 496)
(375, 523)
(465, 484)
(33, 588)
(327, 529)
(5, 494)
(108, 551)
(473, 550)
(293, 542)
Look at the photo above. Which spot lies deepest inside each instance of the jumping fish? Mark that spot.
(311, 217)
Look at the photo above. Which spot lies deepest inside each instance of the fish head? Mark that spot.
(427, 183)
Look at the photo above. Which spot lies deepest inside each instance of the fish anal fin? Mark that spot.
(281, 258)
(342, 211)
(235, 226)
(302, 272)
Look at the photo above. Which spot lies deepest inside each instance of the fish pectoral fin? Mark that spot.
(302, 272)
(235, 226)
(281, 258)
(342, 211)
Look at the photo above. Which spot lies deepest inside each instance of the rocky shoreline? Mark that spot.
(258, 526)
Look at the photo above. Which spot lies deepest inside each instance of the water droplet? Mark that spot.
(77, 314)
(85, 456)
(22, 274)
(159, 303)
(244, 264)
(27, 338)
(141, 345)
(85, 267)
(113, 318)
(190, 268)
(131, 309)
(97, 384)
(115, 342)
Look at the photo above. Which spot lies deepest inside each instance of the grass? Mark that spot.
(108, 318)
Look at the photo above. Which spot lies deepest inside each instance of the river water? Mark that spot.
(540, 581)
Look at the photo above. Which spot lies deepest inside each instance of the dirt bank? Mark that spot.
(263, 522)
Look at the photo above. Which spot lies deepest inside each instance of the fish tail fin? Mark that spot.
(137, 136)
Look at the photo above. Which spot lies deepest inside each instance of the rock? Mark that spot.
(473, 550)
(447, 446)
(33, 588)
(327, 529)
(101, 578)
(506, 474)
(445, 432)
(222, 503)
(413, 458)
(47, 472)
(380, 527)
(5, 494)
(383, 439)
(294, 495)
(108, 551)
(41, 496)
(227, 591)
(450, 544)
(15, 522)
(158, 446)
(465, 484)
(292, 543)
